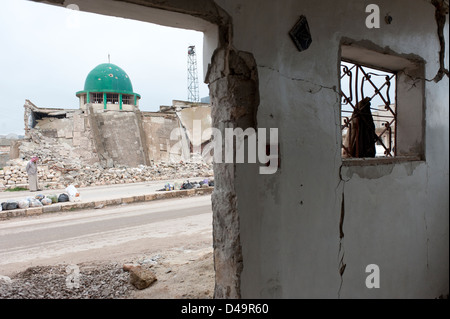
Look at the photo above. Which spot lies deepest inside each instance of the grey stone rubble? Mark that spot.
(97, 280)
(106, 281)
(60, 166)
(53, 175)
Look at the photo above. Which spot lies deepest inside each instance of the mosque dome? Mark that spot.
(108, 84)
(108, 77)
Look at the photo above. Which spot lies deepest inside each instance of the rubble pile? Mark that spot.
(60, 165)
(54, 176)
(106, 281)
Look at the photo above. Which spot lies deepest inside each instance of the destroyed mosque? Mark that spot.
(327, 216)
(109, 128)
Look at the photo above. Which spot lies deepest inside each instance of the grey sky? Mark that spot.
(47, 52)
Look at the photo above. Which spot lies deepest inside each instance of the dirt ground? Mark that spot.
(181, 258)
(178, 251)
(184, 273)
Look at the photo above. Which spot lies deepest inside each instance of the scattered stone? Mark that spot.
(127, 267)
(105, 281)
(141, 277)
(151, 261)
(5, 280)
(55, 173)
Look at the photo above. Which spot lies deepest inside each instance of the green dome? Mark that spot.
(108, 77)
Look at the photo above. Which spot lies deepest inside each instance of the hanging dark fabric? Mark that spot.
(361, 137)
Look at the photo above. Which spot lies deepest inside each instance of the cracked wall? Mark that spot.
(299, 237)
(285, 235)
(234, 100)
(233, 83)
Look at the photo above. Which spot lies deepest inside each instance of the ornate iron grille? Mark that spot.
(368, 111)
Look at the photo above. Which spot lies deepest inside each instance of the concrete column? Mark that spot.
(233, 83)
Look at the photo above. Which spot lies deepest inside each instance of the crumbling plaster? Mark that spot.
(295, 231)
(394, 212)
(231, 74)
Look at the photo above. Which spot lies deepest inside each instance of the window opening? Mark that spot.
(368, 111)
(128, 99)
(112, 98)
(97, 98)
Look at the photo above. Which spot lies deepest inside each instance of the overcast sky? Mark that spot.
(47, 51)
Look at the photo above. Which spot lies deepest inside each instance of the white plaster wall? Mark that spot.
(396, 215)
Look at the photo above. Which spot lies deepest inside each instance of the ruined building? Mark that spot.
(108, 128)
(317, 227)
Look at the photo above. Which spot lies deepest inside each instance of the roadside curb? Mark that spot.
(71, 206)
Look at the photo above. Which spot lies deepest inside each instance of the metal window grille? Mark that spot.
(368, 111)
(112, 98)
(96, 98)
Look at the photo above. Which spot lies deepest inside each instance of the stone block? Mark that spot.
(86, 205)
(100, 204)
(17, 212)
(182, 193)
(68, 206)
(128, 200)
(141, 277)
(34, 211)
(139, 198)
(51, 208)
(111, 202)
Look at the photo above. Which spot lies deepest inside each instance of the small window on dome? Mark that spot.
(128, 99)
(112, 98)
(96, 98)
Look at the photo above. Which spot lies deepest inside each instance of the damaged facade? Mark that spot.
(311, 229)
(109, 128)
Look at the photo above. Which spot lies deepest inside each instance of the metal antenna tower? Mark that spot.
(193, 94)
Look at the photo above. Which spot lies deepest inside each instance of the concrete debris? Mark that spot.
(57, 176)
(141, 277)
(151, 261)
(128, 267)
(106, 281)
(5, 280)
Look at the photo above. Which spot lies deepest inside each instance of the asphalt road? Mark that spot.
(102, 233)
